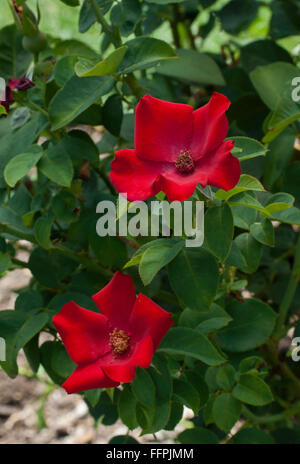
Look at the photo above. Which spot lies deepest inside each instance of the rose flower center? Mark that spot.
(119, 342)
(184, 162)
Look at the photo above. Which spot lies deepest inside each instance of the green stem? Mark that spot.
(273, 417)
(84, 260)
(106, 180)
(7, 229)
(289, 293)
(115, 36)
(36, 107)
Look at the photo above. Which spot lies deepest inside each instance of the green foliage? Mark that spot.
(234, 299)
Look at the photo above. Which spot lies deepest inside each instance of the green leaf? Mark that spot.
(207, 322)
(50, 268)
(42, 230)
(14, 60)
(2, 110)
(143, 388)
(280, 152)
(246, 182)
(226, 377)
(248, 200)
(226, 411)
(125, 15)
(276, 94)
(112, 113)
(123, 440)
(262, 52)
(194, 275)
(110, 251)
(5, 262)
(250, 363)
(246, 148)
(64, 69)
(218, 230)
(87, 15)
(245, 253)
(263, 232)
(126, 408)
(198, 436)
(21, 164)
(279, 202)
(93, 396)
(155, 258)
(143, 53)
(236, 16)
(104, 67)
(20, 141)
(288, 216)
(252, 436)
(285, 18)
(71, 2)
(186, 394)
(163, 386)
(252, 323)
(32, 353)
(193, 66)
(195, 378)
(17, 328)
(190, 342)
(164, 2)
(252, 390)
(57, 166)
(75, 97)
(243, 217)
(61, 362)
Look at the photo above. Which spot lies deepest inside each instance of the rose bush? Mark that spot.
(191, 100)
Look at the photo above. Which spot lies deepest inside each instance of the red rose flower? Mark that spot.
(175, 149)
(108, 347)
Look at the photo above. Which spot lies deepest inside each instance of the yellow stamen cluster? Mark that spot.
(119, 342)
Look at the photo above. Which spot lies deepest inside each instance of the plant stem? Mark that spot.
(87, 262)
(116, 40)
(106, 180)
(173, 25)
(289, 293)
(273, 417)
(286, 372)
(36, 107)
(115, 36)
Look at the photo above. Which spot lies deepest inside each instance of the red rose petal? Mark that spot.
(134, 176)
(123, 368)
(210, 125)
(162, 129)
(116, 300)
(86, 377)
(223, 170)
(149, 319)
(83, 332)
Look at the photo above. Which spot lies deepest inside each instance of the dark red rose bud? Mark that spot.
(20, 84)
